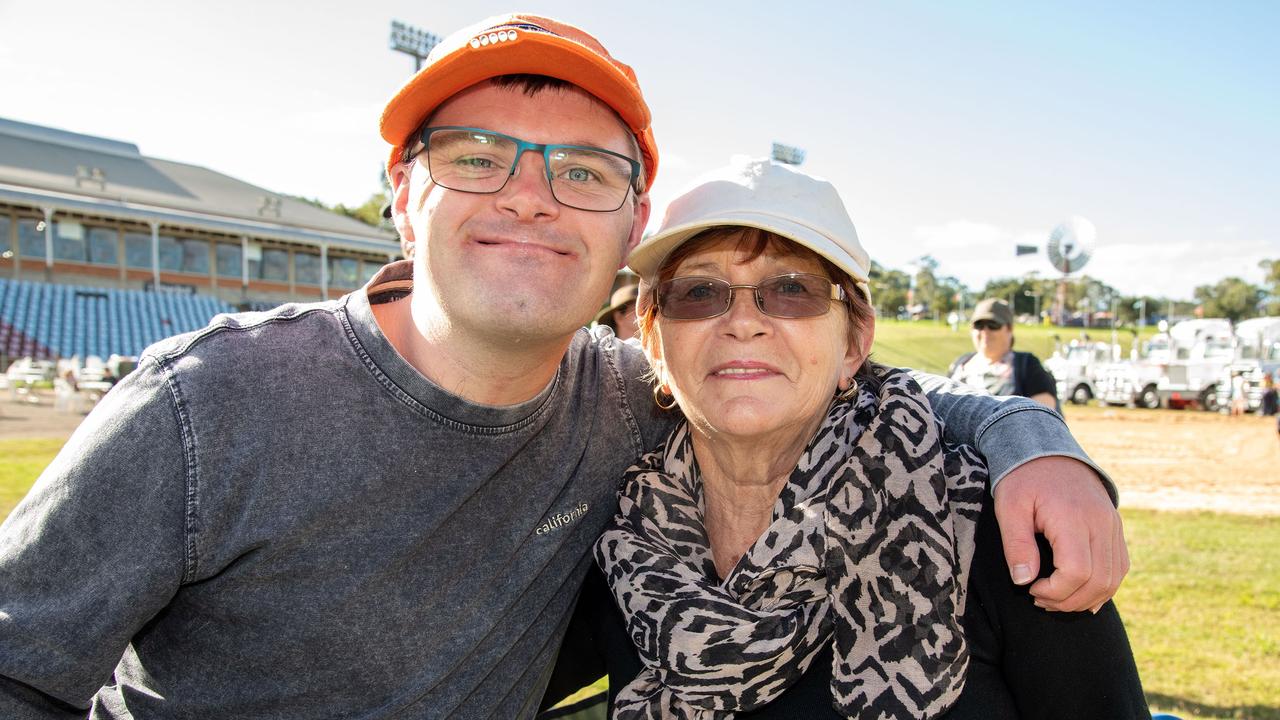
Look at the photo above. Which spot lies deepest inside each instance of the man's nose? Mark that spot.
(528, 189)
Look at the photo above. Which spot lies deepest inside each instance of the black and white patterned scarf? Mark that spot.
(869, 550)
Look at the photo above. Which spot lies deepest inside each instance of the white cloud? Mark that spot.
(970, 250)
(976, 251)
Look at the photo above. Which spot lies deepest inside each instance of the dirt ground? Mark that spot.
(1184, 459)
(32, 415)
(1161, 459)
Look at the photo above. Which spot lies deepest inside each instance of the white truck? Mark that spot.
(1077, 367)
(1257, 354)
(1182, 366)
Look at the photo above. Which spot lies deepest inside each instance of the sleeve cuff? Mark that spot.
(1025, 432)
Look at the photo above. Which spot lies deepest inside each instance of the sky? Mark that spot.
(954, 130)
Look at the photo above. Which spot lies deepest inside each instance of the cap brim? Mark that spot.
(534, 53)
(600, 316)
(647, 258)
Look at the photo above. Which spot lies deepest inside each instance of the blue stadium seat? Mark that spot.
(44, 319)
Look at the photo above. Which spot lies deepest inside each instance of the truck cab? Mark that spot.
(1078, 366)
(1256, 354)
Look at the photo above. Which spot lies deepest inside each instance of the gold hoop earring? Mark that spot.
(658, 394)
(850, 392)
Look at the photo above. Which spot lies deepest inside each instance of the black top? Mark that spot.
(1026, 662)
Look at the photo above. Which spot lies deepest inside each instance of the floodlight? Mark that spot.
(787, 154)
(412, 41)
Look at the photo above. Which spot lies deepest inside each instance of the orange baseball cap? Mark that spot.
(519, 44)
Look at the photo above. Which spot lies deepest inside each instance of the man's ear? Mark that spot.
(399, 208)
(639, 221)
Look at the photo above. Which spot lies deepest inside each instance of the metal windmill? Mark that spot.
(1070, 246)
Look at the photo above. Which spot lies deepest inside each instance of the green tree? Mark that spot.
(1129, 310)
(926, 284)
(948, 291)
(369, 213)
(1230, 298)
(888, 289)
(1021, 293)
(1271, 280)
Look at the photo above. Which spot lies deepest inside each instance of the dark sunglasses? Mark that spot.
(794, 295)
(987, 325)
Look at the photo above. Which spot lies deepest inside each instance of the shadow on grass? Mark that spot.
(1177, 705)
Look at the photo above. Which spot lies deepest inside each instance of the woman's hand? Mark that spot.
(1065, 500)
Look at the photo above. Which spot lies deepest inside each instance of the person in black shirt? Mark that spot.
(996, 367)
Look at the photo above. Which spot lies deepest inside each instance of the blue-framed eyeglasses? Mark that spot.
(474, 160)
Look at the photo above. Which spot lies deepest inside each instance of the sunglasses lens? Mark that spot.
(693, 298)
(987, 325)
(796, 296)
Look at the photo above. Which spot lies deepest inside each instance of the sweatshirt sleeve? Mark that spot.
(1008, 431)
(95, 550)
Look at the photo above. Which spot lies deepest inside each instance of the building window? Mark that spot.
(170, 254)
(195, 256)
(104, 248)
(137, 250)
(344, 272)
(5, 229)
(68, 241)
(30, 240)
(228, 260)
(275, 265)
(306, 268)
(368, 268)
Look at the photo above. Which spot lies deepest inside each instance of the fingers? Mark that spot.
(1064, 500)
(1017, 533)
(1073, 576)
(1095, 579)
(1121, 567)
(1082, 579)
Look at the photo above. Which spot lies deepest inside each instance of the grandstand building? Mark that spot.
(104, 251)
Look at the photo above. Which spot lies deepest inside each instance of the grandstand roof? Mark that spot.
(47, 167)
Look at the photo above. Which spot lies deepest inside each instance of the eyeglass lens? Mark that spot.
(794, 295)
(474, 161)
(987, 325)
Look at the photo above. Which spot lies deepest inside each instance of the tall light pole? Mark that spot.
(412, 41)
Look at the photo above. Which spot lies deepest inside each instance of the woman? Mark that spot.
(804, 544)
(996, 368)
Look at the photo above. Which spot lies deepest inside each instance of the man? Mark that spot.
(996, 368)
(620, 315)
(381, 506)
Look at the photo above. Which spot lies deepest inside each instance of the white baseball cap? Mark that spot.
(760, 193)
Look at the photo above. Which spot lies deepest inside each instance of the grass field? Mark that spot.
(933, 346)
(1202, 606)
(1202, 603)
(22, 462)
